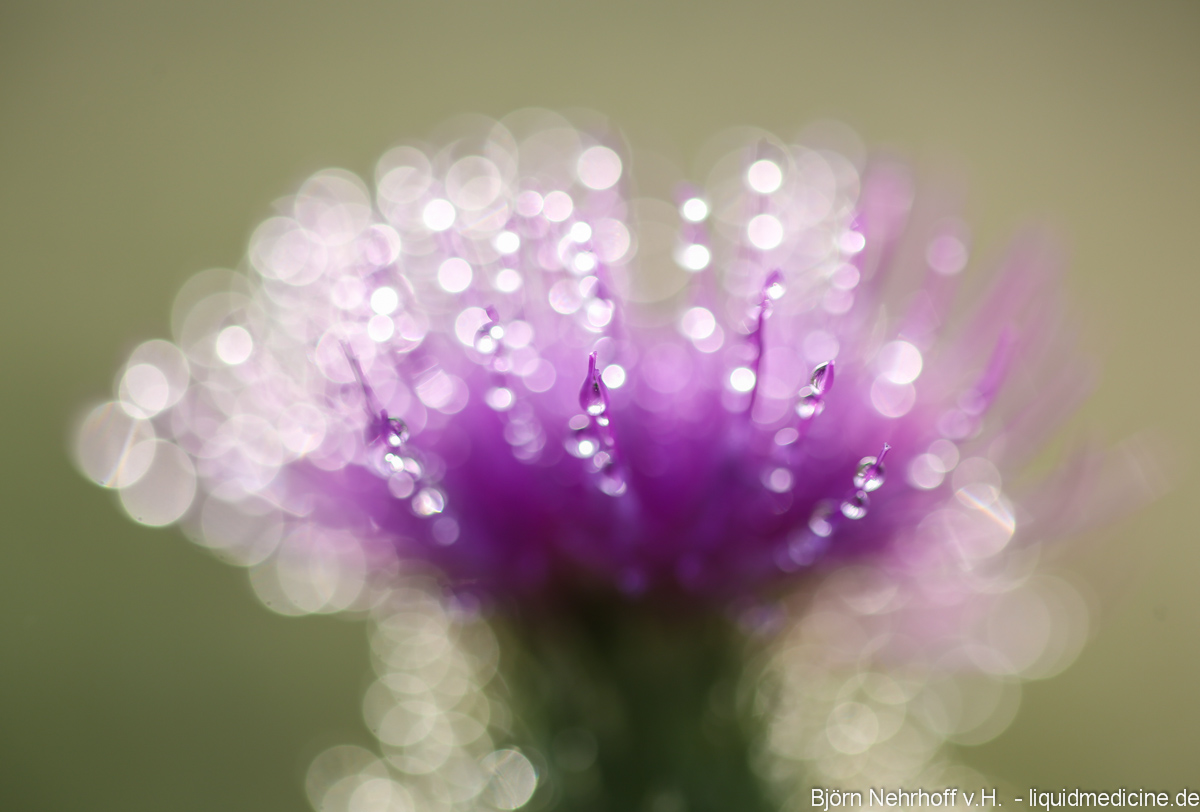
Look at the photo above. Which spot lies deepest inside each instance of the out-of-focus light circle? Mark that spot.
(765, 232)
(564, 297)
(742, 379)
(508, 280)
(142, 390)
(613, 376)
(900, 362)
(892, 399)
(694, 210)
(697, 323)
(599, 312)
(946, 254)
(557, 206)
(946, 452)
(529, 203)
(598, 167)
(820, 346)
(499, 398)
(145, 390)
(113, 448)
(851, 242)
(384, 301)
(507, 242)
(584, 262)
(234, 345)
(473, 183)
(845, 277)
(581, 232)
(380, 328)
(764, 176)
(925, 471)
(779, 480)
(167, 489)
(467, 324)
(454, 275)
(511, 779)
(439, 214)
(695, 257)
(518, 334)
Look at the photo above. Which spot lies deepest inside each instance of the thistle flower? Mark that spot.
(503, 364)
(463, 369)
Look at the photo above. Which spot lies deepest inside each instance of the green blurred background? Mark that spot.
(140, 143)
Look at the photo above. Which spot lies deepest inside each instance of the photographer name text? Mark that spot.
(1047, 800)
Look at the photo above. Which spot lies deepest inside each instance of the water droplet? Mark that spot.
(856, 506)
(395, 432)
(870, 473)
(593, 398)
(393, 461)
(822, 378)
(612, 481)
(810, 405)
(774, 287)
(490, 333)
(583, 443)
(819, 521)
(428, 502)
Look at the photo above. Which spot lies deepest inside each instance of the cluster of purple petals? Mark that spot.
(499, 359)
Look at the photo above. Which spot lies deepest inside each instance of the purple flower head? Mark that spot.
(502, 362)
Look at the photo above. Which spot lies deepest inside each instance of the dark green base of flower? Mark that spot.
(631, 708)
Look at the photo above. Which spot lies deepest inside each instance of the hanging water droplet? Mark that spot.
(774, 287)
(870, 473)
(428, 501)
(593, 397)
(810, 404)
(819, 521)
(393, 461)
(856, 506)
(583, 443)
(485, 344)
(612, 482)
(822, 378)
(395, 432)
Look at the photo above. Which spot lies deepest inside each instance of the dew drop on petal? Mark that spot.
(775, 286)
(819, 522)
(395, 434)
(428, 502)
(810, 404)
(856, 506)
(869, 475)
(822, 378)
